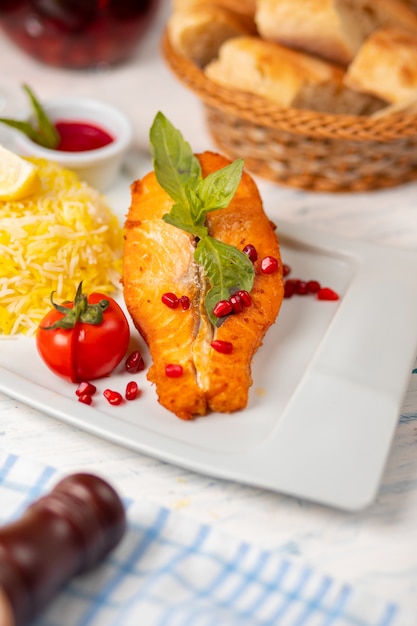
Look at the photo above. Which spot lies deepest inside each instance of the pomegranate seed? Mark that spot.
(289, 289)
(313, 286)
(113, 397)
(301, 288)
(132, 390)
(236, 303)
(85, 398)
(170, 299)
(222, 308)
(86, 388)
(245, 297)
(173, 370)
(325, 293)
(134, 362)
(294, 282)
(185, 303)
(269, 265)
(225, 347)
(251, 252)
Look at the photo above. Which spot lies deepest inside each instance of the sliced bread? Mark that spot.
(287, 77)
(386, 66)
(332, 29)
(198, 32)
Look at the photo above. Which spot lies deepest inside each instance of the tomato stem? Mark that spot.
(81, 311)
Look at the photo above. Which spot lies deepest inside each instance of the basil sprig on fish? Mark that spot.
(178, 171)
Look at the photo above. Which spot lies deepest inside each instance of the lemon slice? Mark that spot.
(18, 177)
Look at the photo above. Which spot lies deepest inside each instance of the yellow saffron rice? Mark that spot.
(52, 240)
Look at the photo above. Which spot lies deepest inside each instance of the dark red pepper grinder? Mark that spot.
(64, 533)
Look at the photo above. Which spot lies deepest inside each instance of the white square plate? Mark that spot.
(328, 382)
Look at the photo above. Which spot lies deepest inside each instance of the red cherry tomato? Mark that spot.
(85, 339)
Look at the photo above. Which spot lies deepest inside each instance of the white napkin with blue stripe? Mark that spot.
(171, 571)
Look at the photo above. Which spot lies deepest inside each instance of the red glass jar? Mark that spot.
(76, 34)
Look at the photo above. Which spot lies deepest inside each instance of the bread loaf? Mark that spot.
(198, 32)
(332, 29)
(386, 65)
(244, 7)
(287, 77)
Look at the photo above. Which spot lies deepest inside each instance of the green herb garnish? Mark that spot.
(81, 311)
(44, 132)
(178, 171)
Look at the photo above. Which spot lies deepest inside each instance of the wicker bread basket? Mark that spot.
(301, 148)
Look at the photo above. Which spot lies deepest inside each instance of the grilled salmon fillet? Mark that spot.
(158, 259)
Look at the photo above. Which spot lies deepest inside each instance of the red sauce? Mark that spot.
(81, 136)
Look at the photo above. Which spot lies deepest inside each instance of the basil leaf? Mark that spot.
(226, 268)
(180, 217)
(178, 171)
(45, 134)
(48, 132)
(25, 128)
(218, 188)
(197, 210)
(174, 163)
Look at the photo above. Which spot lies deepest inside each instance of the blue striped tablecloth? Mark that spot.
(172, 571)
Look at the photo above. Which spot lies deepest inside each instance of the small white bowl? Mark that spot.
(99, 167)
